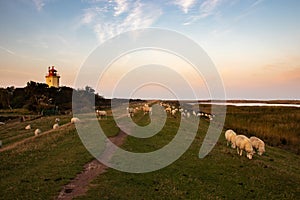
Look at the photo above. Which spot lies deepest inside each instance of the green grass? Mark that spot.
(13, 132)
(221, 175)
(39, 168)
(19, 111)
(109, 126)
(277, 126)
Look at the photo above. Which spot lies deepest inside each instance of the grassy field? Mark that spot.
(15, 131)
(277, 126)
(220, 175)
(39, 168)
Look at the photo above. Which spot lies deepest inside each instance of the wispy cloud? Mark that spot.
(7, 50)
(185, 5)
(206, 9)
(39, 4)
(118, 16)
(88, 16)
(256, 3)
(249, 10)
(121, 7)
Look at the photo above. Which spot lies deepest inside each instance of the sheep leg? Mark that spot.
(241, 152)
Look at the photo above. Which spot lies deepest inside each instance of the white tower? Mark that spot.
(52, 79)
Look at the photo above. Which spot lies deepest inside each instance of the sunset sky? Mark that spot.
(254, 44)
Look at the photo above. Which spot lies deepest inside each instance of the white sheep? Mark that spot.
(37, 132)
(57, 120)
(2, 123)
(230, 136)
(168, 110)
(244, 143)
(173, 112)
(75, 120)
(194, 113)
(146, 109)
(258, 145)
(131, 112)
(188, 115)
(28, 127)
(55, 126)
(101, 113)
(150, 110)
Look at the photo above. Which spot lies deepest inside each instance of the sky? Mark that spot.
(254, 44)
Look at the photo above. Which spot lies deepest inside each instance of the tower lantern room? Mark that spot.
(52, 78)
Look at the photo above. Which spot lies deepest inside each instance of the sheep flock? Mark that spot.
(173, 110)
(242, 143)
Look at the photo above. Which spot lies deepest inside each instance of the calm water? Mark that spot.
(251, 104)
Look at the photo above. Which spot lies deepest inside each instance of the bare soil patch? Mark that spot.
(79, 185)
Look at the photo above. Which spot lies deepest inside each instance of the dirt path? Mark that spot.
(79, 185)
(14, 145)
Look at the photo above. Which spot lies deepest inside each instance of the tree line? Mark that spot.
(42, 99)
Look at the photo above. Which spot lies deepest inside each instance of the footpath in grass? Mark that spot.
(39, 168)
(220, 175)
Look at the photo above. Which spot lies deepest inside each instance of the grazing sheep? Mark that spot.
(101, 113)
(230, 136)
(37, 132)
(243, 143)
(194, 113)
(75, 120)
(146, 109)
(131, 112)
(258, 145)
(28, 127)
(188, 115)
(55, 126)
(2, 123)
(168, 110)
(173, 112)
(57, 120)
